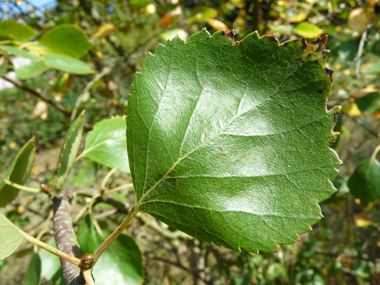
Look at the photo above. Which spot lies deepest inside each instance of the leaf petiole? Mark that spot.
(23, 188)
(115, 234)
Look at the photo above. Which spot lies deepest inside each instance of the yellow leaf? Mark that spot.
(217, 25)
(361, 220)
(299, 17)
(40, 111)
(12, 145)
(150, 9)
(104, 30)
(360, 18)
(352, 109)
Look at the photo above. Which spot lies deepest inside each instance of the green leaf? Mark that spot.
(69, 149)
(18, 172)
(10, 237)
(369, 103)
(51, 266)
(229, 142)
(364, 183)
(33, 274)
(306, 29)
(87, 175)
(3, 66)
(66, 63)
(12, 30)
(18, 52)
(66, 39)
(107, 144)
(122, 258)
(31, 70)
(202, 14)
(374, 68)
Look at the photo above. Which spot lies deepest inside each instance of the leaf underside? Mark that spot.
(229, 142)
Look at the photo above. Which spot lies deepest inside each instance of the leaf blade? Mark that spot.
(18, 172)
(10, 237)
(69, 149)
(209, 155)
(107, 144)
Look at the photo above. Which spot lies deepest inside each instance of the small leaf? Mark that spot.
(364, 183)
(61, 84)
(170, 34)
(229, 142)
(41, 111)
(31, 70)
(360, 18)
(217, 25)
(87, 175)
(18, 52)
(369, 103)
(18, 172)
(3, 66)
(104, 30)
(12, 30)
(69, 149)
(66, 39)
(308, 30)
(66, 63)
(107, 144)
(122, 258)
(374, 68)
(202, 14)
(33, 273)
(10, 237)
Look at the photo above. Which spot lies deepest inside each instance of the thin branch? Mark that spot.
(360, 50)
(86, 89)
(18, 84)
(346, 256)
(358, 121)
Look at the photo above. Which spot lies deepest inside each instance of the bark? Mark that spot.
(65, 236)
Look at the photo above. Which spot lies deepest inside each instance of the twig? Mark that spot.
(358, 121)
(18, 84)
(86, 89)
(196, 275)
(360, 50)
(346, 256)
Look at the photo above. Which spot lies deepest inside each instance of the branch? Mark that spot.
(358, 121)
(65, 236)
(18, 84)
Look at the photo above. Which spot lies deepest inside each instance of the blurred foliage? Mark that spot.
(112, 39)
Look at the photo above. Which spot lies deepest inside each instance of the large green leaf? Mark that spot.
(66, 39)
(67, 63)
(364, 183)
(69, 149)
(10, 237)
(369, 103)
(12, 30)
(33, 274)
(18, 172)
(122, 258)
(18, 52)
(107, 144)
(228, 142)
(31, 70)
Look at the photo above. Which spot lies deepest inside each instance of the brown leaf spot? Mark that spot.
(231, 35)
(300, 60)
(320, 91)
(336, 115)
(304, 43)
(275, 250)
(285, 44)
(332, 142)
(329, 72)
(272, 38)
(220, 150)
